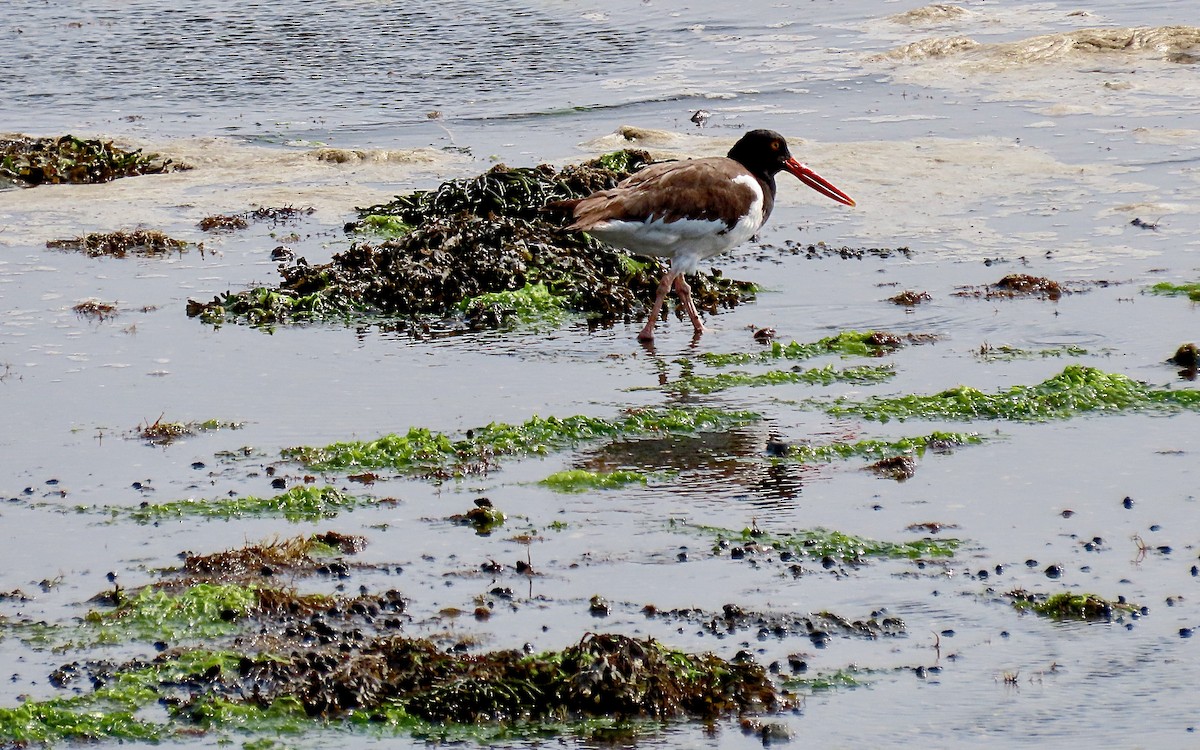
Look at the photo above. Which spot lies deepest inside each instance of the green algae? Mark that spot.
(284, 715)
(1167, 289)
(582, 480)
(624, 161)
(850, 677)
(1069, 606)
(204, 610)
(383, 226)
(846, 344)
(861, 375)
(822, 543)
(50, 722)
(110, 710)
(533, 305)
(423, 452)
(264, 307)
(1076, 390)
(1006, 352)
(878, 449)
(306, 503)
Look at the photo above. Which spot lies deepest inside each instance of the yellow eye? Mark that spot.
(774, 145)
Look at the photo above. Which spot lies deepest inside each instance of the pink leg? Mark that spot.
(685, 296)
(664, 286)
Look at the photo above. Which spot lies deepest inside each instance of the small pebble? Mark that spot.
(1054, 571)
(1127, 502)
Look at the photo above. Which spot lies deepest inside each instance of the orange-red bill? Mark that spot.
(817, 182)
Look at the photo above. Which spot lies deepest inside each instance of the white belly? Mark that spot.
(685, 242)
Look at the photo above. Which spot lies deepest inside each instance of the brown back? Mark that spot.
(696, 189)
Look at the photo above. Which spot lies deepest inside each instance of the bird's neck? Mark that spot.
(767, 182)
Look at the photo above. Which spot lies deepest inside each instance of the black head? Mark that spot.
(763, 152)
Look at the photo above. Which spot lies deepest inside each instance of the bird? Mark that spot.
(687, 211)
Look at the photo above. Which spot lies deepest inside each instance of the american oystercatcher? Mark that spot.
(687, 211)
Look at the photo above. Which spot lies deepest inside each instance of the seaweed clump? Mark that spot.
(1068, 606)
(434, 454)
(828, 546)
(582, 480)
(846, 344)
(140, 242)
(67, 159)
(1190, 290)
(307, 503)
(407, 683)
(862, 375)
(274, 214)
(1076, 390)
(471, 237)
(165, 433)
(910, 298)
(1019, 285)
(94, 308)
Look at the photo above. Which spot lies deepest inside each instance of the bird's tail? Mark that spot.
(564, 209)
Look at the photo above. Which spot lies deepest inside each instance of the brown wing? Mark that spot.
(697, 189)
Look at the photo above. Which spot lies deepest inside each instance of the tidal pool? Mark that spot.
(980, 161)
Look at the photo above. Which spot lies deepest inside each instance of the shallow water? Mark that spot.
(1034, 166)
